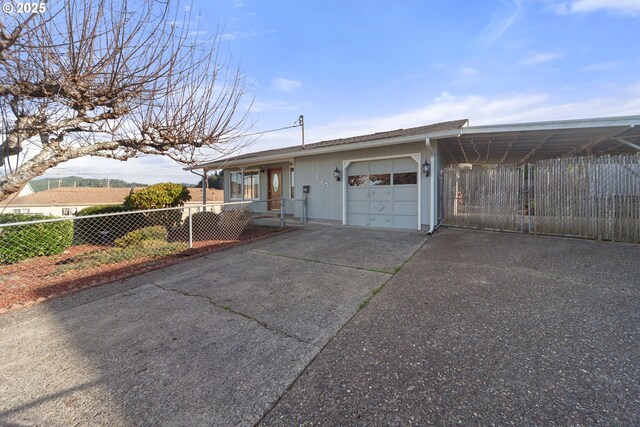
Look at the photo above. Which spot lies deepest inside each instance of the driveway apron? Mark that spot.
(211, 341)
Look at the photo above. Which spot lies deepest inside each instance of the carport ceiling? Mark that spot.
(508, 144)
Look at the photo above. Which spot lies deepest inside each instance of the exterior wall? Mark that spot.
(325, 198)
(45, 210)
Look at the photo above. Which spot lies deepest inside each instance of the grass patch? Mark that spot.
(374, 292)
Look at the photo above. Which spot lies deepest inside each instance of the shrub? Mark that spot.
(204, 225)
(25, 241)
(233, 222)
(158, 196)
(104, 230)
(165, 195)
(143, 235)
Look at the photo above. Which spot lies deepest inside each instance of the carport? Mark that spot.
(572, 177)
(528, 142)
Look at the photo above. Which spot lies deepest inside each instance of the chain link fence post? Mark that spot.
(282, 212)
(304, 208)
(190, 229)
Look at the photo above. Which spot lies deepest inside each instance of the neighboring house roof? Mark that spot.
(26, 190)
(87, 196)
(394, 136)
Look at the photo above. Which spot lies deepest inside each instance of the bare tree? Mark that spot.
(111, 78)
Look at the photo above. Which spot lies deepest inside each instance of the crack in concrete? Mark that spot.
(231, 310)
(373, 270)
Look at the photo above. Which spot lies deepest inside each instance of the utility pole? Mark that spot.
(301, 123)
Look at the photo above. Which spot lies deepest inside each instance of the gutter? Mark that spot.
(312, 152)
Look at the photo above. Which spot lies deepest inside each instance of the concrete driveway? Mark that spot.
(213, 341)
(481, 329)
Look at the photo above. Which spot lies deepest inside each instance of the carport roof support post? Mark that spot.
(432, 187)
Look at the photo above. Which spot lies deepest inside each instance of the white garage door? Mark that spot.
(383, 193)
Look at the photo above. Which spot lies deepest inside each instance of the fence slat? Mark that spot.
(590, 197)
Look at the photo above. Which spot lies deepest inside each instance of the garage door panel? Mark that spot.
(358, 193)
(405, 193)
(406, 164)
(405, 221)
(381, 193)
(381, 220)
(405, 208)
(377, 198)
(380, 166)
(381, 208)
(358, 219)
(358, 207)
(359, 168)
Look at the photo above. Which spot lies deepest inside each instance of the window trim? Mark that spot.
(241, 185)
(255, 173)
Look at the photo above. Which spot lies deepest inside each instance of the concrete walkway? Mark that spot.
(482, 328)
(213, 341)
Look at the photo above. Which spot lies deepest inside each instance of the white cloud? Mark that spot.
(146, 169)
(481, 110)
(238, 35)
(500, 23)
(285, 85)
(540, 58)
(618, 7)
(601, 66)
(468, 72)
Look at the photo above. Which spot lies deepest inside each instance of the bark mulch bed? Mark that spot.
(36, 280)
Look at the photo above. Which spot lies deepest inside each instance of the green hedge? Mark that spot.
(105, 230)
(25, 241)
(205, 226)
(138, 237)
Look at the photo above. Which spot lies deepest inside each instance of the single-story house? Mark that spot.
(391, 179)
(66, 201)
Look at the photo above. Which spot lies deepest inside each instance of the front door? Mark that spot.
(275, 188)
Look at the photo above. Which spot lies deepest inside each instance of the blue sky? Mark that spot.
(354, 67)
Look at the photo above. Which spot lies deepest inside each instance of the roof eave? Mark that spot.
(311, 152)
(626, 121)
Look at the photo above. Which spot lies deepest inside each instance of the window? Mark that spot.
(69, 211)
(251, 185)
(25, 211)
(235, 185)
(357, 180)
(16, 211)
(380, 179)
(405, 178)
(291, 183)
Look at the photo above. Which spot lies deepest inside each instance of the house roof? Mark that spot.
(390, 137)
(87, 196)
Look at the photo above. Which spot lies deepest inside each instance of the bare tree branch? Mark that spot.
(115, 79)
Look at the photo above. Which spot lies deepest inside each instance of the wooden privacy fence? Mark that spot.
(595, 198)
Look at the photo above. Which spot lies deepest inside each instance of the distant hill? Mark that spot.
(78, 181)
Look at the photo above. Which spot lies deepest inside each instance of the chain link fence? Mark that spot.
(44, 251)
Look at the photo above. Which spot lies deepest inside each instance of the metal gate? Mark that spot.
(596, 198)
